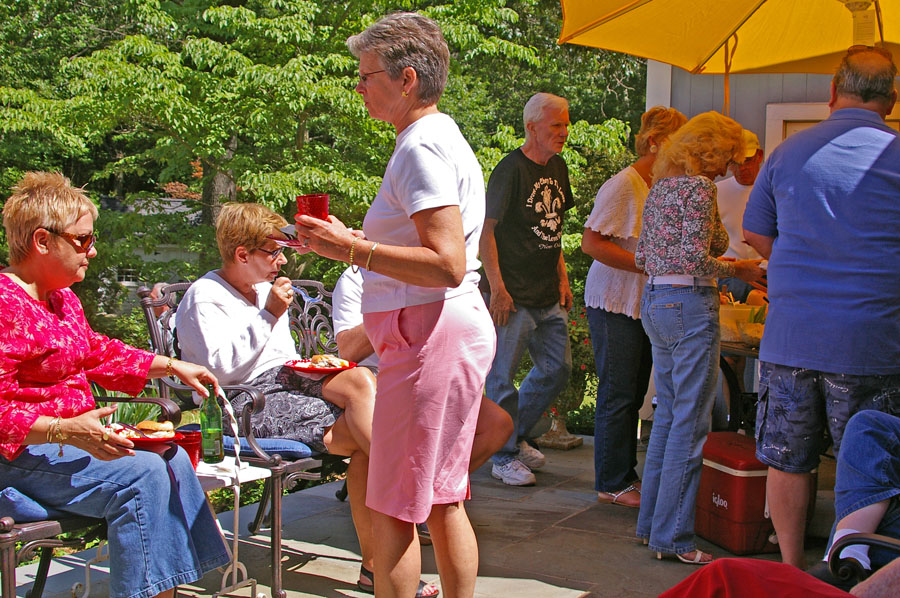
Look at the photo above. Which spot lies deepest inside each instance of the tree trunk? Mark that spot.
(220, 187)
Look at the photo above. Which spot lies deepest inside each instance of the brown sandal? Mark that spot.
(619, 498)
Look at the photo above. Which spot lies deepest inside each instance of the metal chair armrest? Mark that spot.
(849, 569)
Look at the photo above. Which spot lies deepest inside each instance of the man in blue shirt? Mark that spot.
(825, 212)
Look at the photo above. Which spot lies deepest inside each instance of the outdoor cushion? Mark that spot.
(290, 450)
(24, 509)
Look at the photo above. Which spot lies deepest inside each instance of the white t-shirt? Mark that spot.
(432, 166)
(237, 341)
(346, 307)
(732, 199)
(617, 214)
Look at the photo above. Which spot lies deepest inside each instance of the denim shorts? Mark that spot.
(795, 404)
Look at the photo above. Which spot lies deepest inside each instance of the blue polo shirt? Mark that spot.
(830, 196)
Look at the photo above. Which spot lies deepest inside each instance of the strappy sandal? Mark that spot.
(615, 498)
(697, 560)
(366, 584)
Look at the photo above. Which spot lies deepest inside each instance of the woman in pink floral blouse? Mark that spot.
(53, 446)
(681, 238)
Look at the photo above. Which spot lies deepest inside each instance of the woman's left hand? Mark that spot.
(331, 238)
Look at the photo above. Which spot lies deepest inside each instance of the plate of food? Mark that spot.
(157, 436)
(320, 364)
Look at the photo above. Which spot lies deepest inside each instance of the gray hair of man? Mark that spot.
(536, 104)
(408, 39)
(860, 76)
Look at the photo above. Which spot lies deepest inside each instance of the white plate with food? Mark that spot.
(320, 364)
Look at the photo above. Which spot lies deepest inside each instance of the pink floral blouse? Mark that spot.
(48, 353)
(682, 232)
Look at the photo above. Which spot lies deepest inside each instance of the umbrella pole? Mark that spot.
(728, 58)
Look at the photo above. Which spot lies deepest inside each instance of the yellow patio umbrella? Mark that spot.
(734, 36)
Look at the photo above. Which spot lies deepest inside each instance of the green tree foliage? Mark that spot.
(254, 100)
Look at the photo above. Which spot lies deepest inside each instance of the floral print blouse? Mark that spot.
(682, 232)
(48, 354)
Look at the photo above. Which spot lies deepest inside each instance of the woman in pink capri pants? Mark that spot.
(421, 307)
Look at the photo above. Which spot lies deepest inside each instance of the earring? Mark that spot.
(653, 149)
(404, 94)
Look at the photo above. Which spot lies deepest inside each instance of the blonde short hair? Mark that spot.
(41, 200)
(706, 143)
(658, 122)
(247, 225)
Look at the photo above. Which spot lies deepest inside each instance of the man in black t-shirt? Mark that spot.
(525, 282)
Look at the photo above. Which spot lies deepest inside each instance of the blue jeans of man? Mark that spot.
(543, 332)
(160, 530)
(622, 356)
(869, 472)
(683, 325)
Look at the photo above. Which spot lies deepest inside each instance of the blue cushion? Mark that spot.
(290, 450)
(24, 509)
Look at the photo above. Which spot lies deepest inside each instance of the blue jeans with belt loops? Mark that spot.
(683, 325)
(160, 530)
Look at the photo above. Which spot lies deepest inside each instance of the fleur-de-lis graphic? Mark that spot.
(549, 206)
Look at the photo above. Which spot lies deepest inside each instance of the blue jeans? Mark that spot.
(543, 332)
(869, 472)
(160, 530)
(683, 325)
(622, 356)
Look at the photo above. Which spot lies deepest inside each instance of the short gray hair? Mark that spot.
(860, 76)
(535, 106)
(408, 39)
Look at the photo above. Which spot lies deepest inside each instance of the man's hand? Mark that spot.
(280, 296)
(565, 295)
(501, 305)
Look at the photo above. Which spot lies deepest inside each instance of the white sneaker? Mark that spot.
(530, 456)
(514, 473)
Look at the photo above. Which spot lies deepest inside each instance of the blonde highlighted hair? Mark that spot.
(658, 122)
(706, 144)
(41, 200)
(247, 225)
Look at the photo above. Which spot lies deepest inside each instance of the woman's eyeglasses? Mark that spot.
(83, 242)
(273, 254)
(364, 77)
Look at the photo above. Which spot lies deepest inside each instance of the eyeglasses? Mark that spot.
(272, 254)
(364, 77)
(83, 242)
(877, 49)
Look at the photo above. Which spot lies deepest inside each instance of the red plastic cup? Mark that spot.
(315, 205)
(190, 441)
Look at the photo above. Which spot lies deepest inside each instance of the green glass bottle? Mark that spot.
(211, 428)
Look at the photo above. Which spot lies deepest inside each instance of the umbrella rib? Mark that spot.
(702, 64)
(601, 20)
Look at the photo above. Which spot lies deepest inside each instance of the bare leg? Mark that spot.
(166, 594)
(339, 441)
(866, 519)
(788, 495)
(398, 560)
(354, 391)
(493, 427)
(455, 549)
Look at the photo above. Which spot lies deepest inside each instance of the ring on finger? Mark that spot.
(105, 436)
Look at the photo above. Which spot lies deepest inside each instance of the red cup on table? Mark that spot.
(314, 204)
(190, 441)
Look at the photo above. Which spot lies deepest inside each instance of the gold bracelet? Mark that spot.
(59, 435)
(169, 371)
(353, 268)
(50, 429)
(371, 252)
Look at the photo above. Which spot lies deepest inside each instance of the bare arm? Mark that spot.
(761, 243)
(602, 249)
(501, 301)
(565, 291)
(354, 344)
(439, 262)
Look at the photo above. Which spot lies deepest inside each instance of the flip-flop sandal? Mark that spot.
(613, 498)
(367, 585)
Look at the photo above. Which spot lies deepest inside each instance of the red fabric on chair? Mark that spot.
(751, 578)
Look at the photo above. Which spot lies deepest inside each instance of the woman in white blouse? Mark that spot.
(612, 294)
